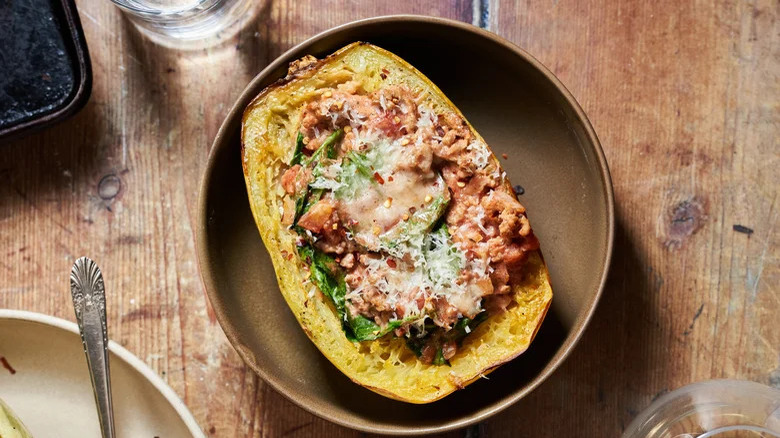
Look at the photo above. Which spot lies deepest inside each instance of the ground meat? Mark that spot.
(428, 353)
(504, 226)
(496, 304)
(417, 157)
(500, 275)
(335, 109)
(399, 111)
(484, 218)
(313, 126)
(354, 277)
(448, 349)
(294, 180)
(435, 342)
(446, 313)
(507, 211)
(453, 146)
(373, 304)
(348, 261)
(390, 110)
(333, 236)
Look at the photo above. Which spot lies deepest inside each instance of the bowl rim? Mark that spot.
(201, 226)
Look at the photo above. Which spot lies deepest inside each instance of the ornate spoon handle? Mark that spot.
(89, 301)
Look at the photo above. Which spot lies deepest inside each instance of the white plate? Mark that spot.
(52, 394)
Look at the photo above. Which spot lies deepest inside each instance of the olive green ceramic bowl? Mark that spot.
(522, 111)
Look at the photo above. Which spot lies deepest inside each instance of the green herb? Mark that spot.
(327, 148)
(459, 332)
(300, 205)
(420, 223)
(309, 197)
(357, 173)
(439, 358)
(298, 154)
(362, 164)
(304, 203)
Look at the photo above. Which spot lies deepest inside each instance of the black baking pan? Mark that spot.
(45, 73)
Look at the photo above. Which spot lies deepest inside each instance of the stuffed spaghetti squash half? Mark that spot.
(398, 242)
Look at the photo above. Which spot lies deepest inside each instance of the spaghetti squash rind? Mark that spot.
(386, 365)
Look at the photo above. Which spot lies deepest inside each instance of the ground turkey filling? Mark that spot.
(412, 208)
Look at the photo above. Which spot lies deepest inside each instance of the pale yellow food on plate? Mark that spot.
(395, 234)
(10, 425)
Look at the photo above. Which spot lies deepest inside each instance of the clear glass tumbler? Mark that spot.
(715, 408)
(189, 24)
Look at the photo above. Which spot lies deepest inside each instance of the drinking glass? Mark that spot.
(715, 408)
(189, 23)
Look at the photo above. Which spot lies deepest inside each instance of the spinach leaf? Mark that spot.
(327, 148)
(362, 164)
(459, 331)
(303, 204)
(365, 329)
(322, 273)
(298, 154)
(435, 337)
(300, 206)
(439, 358)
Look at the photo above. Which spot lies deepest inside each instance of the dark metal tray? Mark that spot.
(45, 73)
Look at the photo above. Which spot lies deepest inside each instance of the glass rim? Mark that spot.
(134, 8)
(645, 417)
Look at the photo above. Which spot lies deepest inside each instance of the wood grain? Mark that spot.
(684, 95)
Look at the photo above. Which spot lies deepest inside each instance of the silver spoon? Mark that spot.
(89, 301)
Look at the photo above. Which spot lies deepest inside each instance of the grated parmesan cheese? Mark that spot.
(481, 153)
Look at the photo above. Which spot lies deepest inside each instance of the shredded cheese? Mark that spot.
(481, 153)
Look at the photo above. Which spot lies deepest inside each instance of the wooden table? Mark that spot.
(684, 96)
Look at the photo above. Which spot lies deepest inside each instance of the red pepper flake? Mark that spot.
(7, 365)
(505, 156)
(353, 223)
(284, 254)
(290, 256)
(390, 178)
(391, 263)
(385, 71)
(379, 178)
(383, 75)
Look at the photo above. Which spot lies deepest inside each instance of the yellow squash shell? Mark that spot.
(385, 366)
